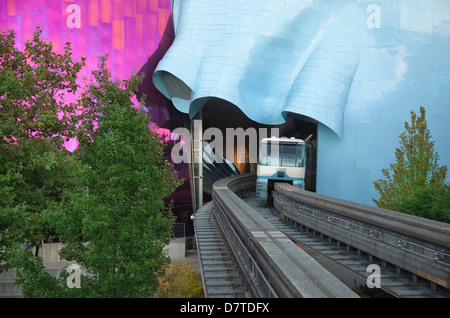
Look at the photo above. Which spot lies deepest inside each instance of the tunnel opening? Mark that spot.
(221, 114)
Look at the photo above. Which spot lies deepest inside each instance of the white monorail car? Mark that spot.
(280, 160)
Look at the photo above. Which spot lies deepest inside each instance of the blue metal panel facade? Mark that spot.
(357, 67)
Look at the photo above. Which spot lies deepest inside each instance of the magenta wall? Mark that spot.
(132, 32)
(128, 30)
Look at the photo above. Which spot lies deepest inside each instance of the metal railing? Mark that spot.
(415, 244)
(179, 229)
(272, 265)
(259, 285)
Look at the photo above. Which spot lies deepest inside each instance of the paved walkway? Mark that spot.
(191, 258)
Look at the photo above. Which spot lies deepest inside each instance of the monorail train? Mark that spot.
(280, 160)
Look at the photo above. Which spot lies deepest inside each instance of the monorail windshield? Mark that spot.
(282, 154)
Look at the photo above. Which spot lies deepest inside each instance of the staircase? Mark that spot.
(221, 278)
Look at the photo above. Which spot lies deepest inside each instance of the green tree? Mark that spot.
(34, 124)
(116, 223)
(431, 202)
(180, 281)
(415, 173)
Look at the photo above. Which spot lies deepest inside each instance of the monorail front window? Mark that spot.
(286, 155)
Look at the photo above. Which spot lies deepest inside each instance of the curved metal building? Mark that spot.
(357, 68)
(347, 73)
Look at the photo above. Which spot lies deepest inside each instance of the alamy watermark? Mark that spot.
(74, 278)
(74, 19)
(374, 279)
(181, 151)
(372, 21)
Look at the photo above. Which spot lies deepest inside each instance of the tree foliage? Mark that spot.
(116, 222)
(416, 182)
(180, 281)
(34, 124)
(430, 202)
(105, 201)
